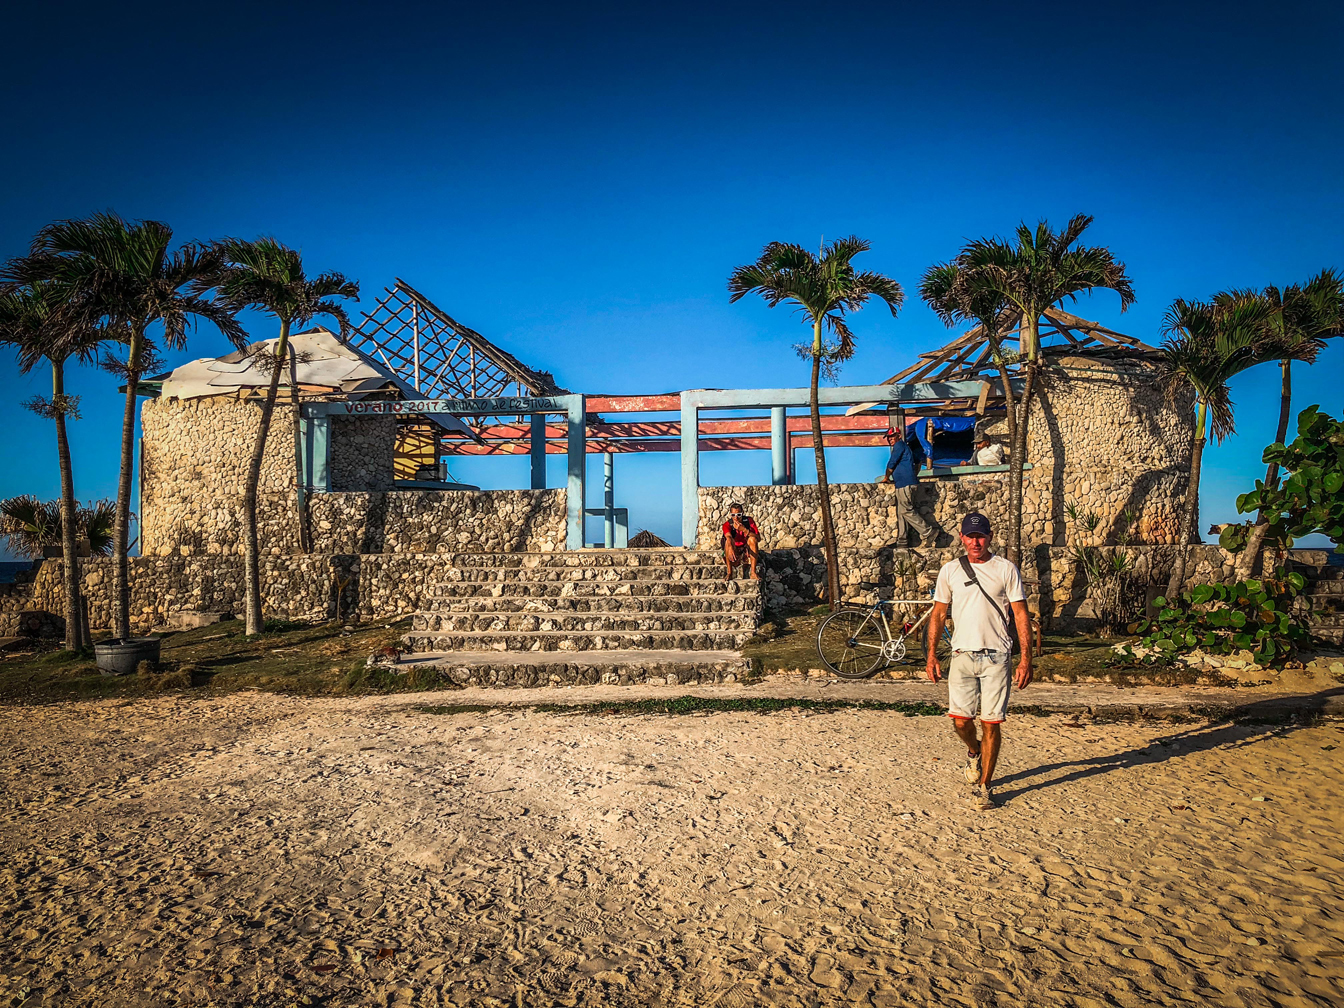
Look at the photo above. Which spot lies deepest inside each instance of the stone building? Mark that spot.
(1103, 440)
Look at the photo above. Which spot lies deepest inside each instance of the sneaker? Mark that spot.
(983, 797)
(973, 768)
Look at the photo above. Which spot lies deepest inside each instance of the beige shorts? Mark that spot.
(979, 682)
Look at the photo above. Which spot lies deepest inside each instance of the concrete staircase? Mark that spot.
(615, 616)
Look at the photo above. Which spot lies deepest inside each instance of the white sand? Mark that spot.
(258, 850)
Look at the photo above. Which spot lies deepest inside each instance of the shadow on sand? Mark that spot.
(1278, 716)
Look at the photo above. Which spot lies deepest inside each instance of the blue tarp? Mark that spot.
(951, 424)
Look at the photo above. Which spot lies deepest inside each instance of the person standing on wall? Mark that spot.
(903, 465)
(981, 589)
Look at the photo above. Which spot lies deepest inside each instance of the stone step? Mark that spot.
(619, 640)
(631, 588)
(595, 623)
(623, 668)
(1317, 589)
(550, 575)
(587, 559)
(626, 605)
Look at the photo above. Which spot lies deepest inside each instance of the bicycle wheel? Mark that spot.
(849, 643)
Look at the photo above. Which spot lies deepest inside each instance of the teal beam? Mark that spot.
(538, 445)
(844, 395)
(576, 485)
(779, 446)
(690, 469)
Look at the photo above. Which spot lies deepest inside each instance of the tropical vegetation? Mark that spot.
(1039, 269)
(52, 322)
(266, 275)
(825, 287)
(131, 276)
(33, 527)
(1207, 344)
(1311, 500)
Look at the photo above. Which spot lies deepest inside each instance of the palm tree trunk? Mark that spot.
(1285, 414)
(121, 568)
(1018, 435)
(823, 487)
(69, 545)
(251, 549)
(1191, 509)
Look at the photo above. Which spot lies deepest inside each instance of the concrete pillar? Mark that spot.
(779, 446)
(609, 500)
(538, 445)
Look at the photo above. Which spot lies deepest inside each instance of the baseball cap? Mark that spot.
(975, 524)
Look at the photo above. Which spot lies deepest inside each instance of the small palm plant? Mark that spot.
(825, 287)
(131, 276)
(31, 527)
(51, 322)
(1038, 271)
(264, 274)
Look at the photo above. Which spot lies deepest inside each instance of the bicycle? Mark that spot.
(855, 641)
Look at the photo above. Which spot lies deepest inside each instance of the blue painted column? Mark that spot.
(609, 500)
(538, 445)
(690, 470)
(779, 446)
(576, 485)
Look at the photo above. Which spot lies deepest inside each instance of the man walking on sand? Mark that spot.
(981, 589)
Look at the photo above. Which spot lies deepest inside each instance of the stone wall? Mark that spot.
(195, 455)
(375, 586)
(1056, 588)
(439, 521)
(1101, 437)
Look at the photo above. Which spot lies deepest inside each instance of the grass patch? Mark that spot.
(295, 658)
(695, 705)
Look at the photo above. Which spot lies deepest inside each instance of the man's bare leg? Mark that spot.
(753, 554)
(965, 729)
(729, 557)
(989, 750)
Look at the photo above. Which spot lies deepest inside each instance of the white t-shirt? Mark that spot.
(975, 623)
(994, 454)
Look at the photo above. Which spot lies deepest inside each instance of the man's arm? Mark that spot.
(1022, 677)
(936, 623)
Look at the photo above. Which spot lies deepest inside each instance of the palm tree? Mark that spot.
(265, 274)
(1207, 344)
(49, 321)
(824, 287)
(31, 526)
(134, 279)
(1304, 316)
(1037, 272)
(950, 291)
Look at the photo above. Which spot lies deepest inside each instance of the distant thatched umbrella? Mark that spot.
(644, 539)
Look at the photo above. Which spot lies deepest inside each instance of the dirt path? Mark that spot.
(258, 850)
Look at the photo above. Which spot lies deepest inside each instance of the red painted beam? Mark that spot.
(633, 403)
(598, 446)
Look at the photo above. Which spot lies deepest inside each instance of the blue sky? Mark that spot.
(577, 181)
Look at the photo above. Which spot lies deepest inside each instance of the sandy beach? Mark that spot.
(263, 850)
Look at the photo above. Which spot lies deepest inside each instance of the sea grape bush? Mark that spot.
(1311, 499)
(1255, 615)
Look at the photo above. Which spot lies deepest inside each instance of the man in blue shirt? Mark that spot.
(907, 456)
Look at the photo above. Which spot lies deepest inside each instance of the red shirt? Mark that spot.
(739, 539)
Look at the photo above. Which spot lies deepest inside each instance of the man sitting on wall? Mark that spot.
(740, 538)
(987, 453)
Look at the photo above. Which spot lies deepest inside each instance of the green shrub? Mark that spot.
(1255, 616)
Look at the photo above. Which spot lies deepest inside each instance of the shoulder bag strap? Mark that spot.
(970, 573)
